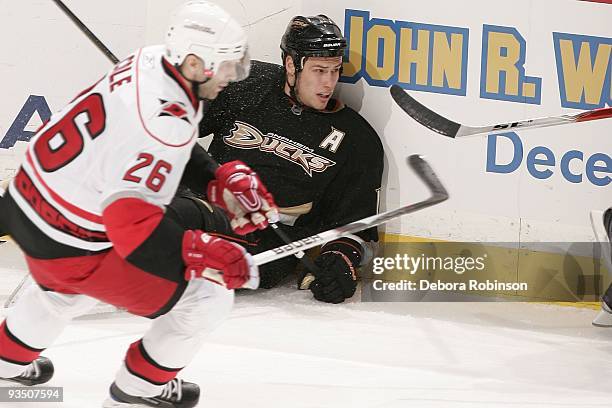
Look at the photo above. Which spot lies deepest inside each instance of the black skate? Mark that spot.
(37, 372)
(602, 226)
(176, 394)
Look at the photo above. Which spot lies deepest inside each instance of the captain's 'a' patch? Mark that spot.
(173, 108)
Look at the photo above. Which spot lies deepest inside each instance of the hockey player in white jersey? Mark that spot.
(88, 208)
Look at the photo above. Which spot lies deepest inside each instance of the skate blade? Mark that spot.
(603, 319)
(10, 383)
(111, 403)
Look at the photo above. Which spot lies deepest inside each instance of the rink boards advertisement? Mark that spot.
(489, 63)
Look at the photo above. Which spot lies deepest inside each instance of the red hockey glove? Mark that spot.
(238, 190)
(218, 260)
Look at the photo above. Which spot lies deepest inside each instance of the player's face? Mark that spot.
(317, 81)
(229, 71)
(211, 88)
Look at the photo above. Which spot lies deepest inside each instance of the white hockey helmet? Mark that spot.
(206, 30)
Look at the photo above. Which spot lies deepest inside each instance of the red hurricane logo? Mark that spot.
(176, 109)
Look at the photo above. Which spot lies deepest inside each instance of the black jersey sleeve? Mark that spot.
(238, 96)
(220, 111)
(353, 194)
(199, 171)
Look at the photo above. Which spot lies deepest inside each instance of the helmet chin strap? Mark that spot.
(195, 88)
(297, 107)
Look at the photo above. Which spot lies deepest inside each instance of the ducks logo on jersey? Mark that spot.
(245, 136)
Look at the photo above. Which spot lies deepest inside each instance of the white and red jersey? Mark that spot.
(129, 135)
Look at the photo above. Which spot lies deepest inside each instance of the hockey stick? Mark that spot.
(308, 264)
(423, 171)
(12, 298)
(447, 127)
(92, 37)
(301, 255)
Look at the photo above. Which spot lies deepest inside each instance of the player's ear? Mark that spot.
(289, 65)
(191, 65)
(193, 61)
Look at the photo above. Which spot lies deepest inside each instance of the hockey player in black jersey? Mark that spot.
(320, 159)
(602, 226)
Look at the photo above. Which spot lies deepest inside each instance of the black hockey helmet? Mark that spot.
(314, 36)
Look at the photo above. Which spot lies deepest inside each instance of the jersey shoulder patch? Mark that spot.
(170, 123)
(167, 110)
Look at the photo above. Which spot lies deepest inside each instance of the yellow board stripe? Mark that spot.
(580, 305)
(524, 265)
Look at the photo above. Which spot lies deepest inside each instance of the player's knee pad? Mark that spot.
(176, 337)
(192, 212)
(203, 306)
(64, 306)
(215, 308)
(39, 316)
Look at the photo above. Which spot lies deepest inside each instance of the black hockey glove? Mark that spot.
(335, 280)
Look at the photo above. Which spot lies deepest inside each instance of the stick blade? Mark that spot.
(595, 114)
(422, 168)
(423, 114)
(424, 172)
